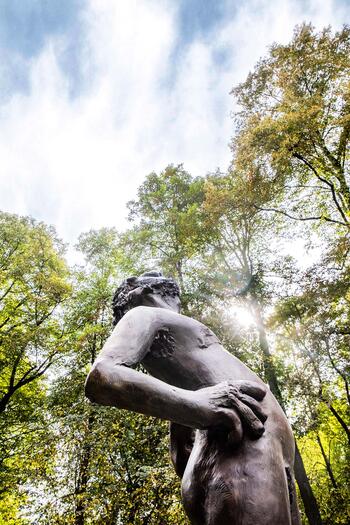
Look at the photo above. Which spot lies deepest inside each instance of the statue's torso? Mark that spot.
(190, 356)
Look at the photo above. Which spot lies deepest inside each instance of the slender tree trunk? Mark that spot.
(327, 462)
(83, 477)
(4, 401)
(270, 373)
(113, 515)
(310, 504)
(306, 493)
(178, 265)
(132, 514)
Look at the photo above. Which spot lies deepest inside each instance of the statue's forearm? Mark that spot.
(124, 387)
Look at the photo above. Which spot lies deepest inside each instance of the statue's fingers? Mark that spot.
(234, 423)
(253, 389)
(252, 424)
(254, 405)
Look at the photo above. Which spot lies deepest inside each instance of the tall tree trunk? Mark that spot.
(83, 475)
(327, 462)
(310, 504)
(269, 368)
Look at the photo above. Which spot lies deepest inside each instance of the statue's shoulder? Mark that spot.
(206, 337)
(161, 315)
(164, 319)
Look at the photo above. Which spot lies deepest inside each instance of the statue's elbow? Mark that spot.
(95, 382)
(104, 386)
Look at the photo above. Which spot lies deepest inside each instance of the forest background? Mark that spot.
(232, 240)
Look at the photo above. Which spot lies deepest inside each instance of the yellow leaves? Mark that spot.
(10, 509)
(217, 199)
(295, 114)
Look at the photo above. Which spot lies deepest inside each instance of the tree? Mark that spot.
(168, 211)
(241, 249)
(292, 125)
(310, 331)
(33, 286)
(294, 120)
(317, 321)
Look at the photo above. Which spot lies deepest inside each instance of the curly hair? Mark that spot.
(151, 282)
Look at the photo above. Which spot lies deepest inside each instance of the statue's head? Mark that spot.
(150, 289)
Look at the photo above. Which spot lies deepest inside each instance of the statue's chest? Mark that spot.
(180, 359)
(165, 345)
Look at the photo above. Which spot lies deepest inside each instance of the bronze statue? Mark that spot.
(230, 441)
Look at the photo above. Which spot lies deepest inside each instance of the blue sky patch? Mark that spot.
(25, 24)
(198, 18)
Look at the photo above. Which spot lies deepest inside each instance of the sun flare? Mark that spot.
(242, 316)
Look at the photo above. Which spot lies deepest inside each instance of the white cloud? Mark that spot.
(74, 162)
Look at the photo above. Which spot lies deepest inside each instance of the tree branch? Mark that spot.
(325, 181)
(316, 218)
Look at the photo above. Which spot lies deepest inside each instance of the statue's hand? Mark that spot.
(234, 404)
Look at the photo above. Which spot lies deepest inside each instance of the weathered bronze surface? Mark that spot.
(230, 441)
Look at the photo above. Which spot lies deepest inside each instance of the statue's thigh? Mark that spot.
(211, 501)
(230, 501)
(223, 506)
(222, 490)
(193, 499)
(193, 487)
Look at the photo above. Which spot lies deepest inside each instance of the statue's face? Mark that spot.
(147, 297)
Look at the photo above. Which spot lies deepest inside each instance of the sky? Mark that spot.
(96, 94)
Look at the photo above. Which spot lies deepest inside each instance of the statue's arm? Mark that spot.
(112, 381)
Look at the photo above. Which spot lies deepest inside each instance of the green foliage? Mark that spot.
(169, 215)
(33, 284)
(331, 485)
(238, 236)
(294, 124)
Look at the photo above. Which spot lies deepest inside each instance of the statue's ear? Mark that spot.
(131, 280)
